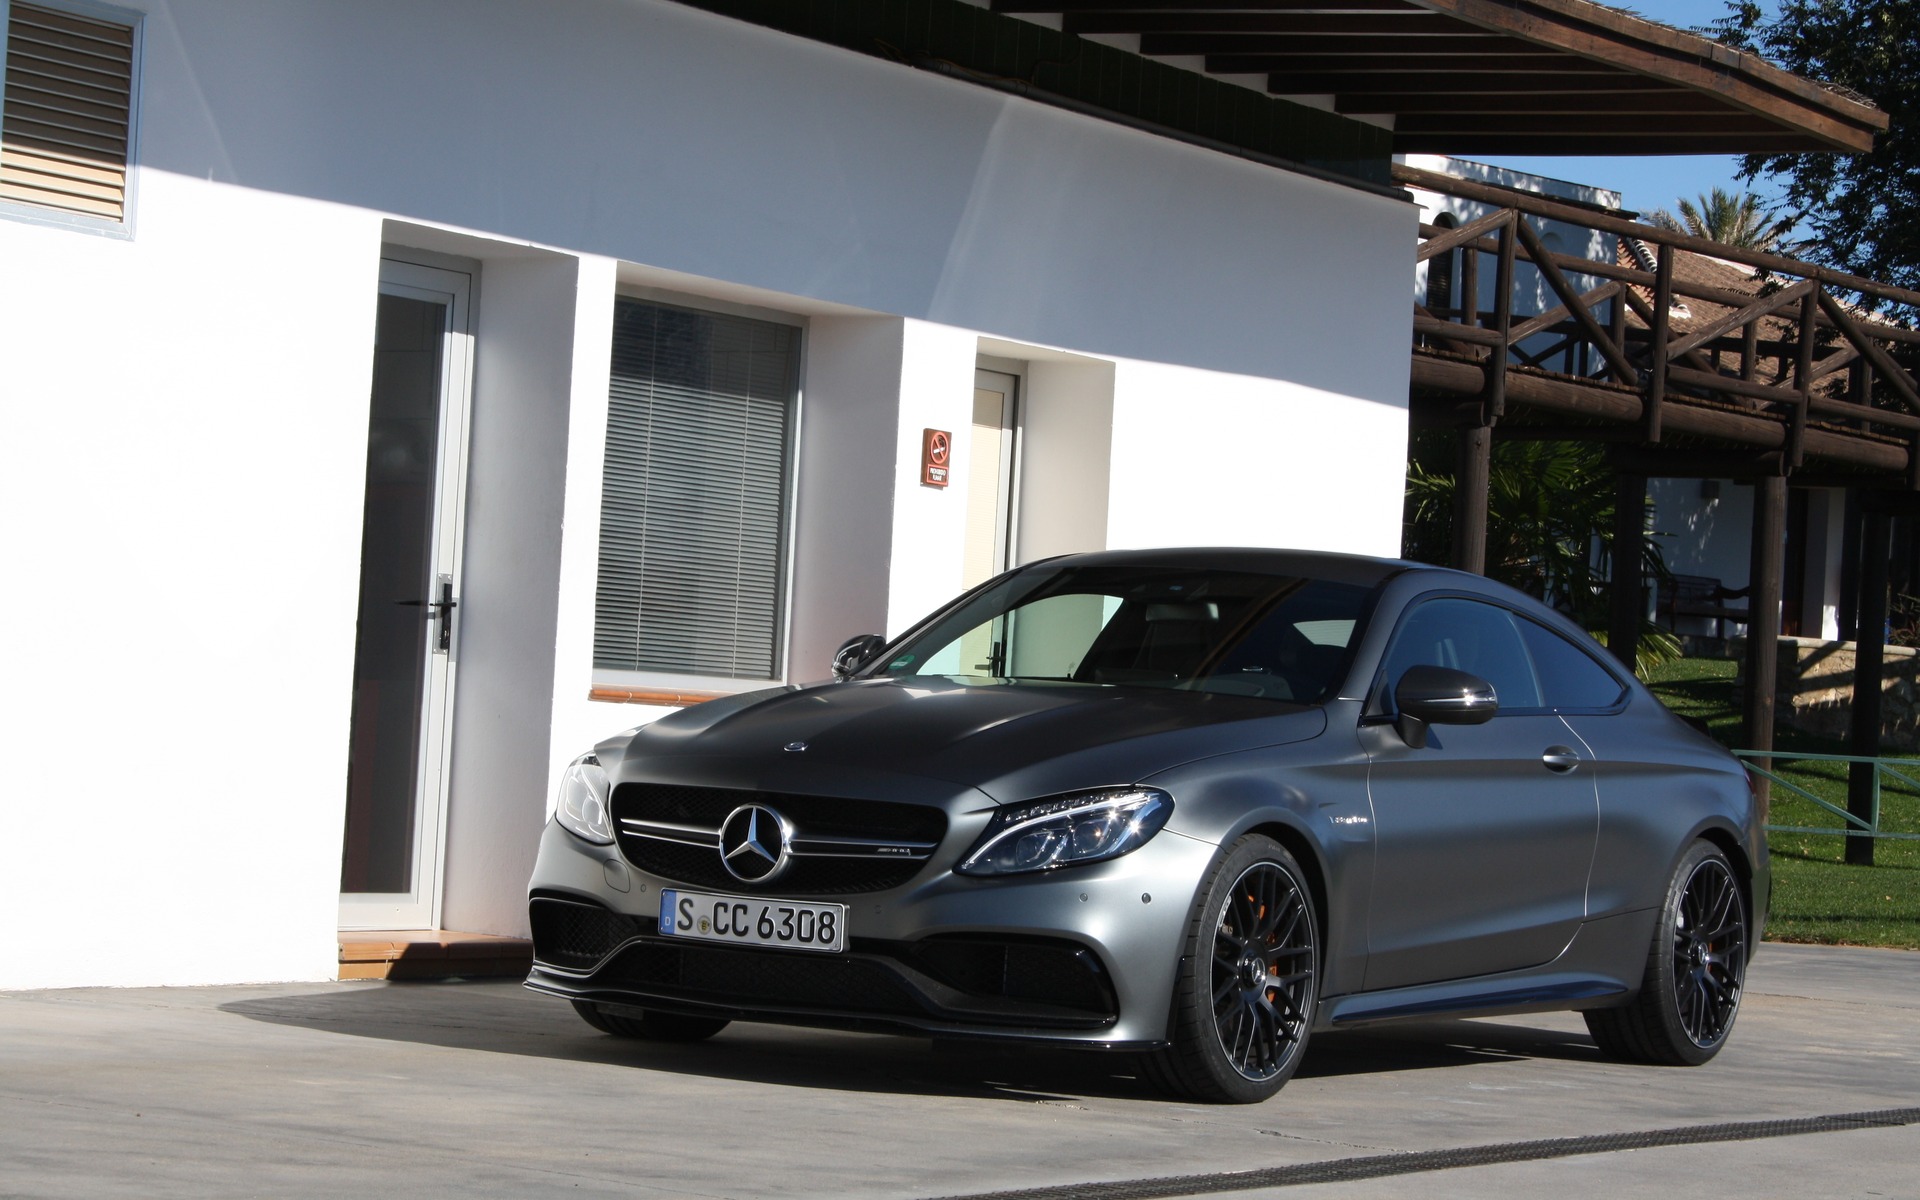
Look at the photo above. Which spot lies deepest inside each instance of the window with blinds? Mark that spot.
(694, 498)
(66, 112)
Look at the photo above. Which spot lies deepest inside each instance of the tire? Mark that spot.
(1249, 978)
(650, 1026)
(1696, 970)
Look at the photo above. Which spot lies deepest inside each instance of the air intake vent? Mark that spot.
(65, 127)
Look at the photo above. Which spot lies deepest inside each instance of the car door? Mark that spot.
(1485, 836)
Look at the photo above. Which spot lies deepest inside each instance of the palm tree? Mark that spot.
(1730, 218)
(1549, 526)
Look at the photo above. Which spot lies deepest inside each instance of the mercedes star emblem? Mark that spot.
(753, 843)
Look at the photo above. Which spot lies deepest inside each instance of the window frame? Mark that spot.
(644, 679)
(29, 213)
(1380, 704)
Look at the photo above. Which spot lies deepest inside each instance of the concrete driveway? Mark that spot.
(483, 1089)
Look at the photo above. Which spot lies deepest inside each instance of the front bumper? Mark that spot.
(1083, 956)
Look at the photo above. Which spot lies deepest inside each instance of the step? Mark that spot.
(430, 954)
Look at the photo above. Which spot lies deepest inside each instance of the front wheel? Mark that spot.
(649, 1026)
(1249, 977)
(1695, 971)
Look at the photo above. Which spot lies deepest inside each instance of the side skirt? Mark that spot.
(1600, 968)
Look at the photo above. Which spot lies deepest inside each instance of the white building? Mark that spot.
(396, 398)
(784, 261)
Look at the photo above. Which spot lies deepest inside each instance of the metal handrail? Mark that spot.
(1855, 826)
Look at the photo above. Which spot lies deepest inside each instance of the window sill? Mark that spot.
(660, 697)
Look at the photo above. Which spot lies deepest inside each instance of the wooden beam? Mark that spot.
(1380, 62)
(1767, 561)
(1496, 395)
(1869, 659)
(1626, 601)
(1604, 223)
(1417, 81)
(1694, 463)
(1892, 372)
(1440, 243)
(1597, 402)
(1075, 6)
(1470, 499)
(1763, 307)
(1556, 280)
(1746, 81)
(1443, 103)
(1334, 46)
(1553, 316)
(1660, 350)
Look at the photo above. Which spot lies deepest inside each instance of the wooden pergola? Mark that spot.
(1789, 383)
(1490, 77)
(1792, 382)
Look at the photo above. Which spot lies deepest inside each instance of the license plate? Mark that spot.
(753, 921)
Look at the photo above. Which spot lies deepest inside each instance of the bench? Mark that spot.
(1699, 596)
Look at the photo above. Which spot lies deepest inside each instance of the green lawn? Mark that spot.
(1817, 897)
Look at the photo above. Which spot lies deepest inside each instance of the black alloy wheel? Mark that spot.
(1695, 972)
(1244, 1000)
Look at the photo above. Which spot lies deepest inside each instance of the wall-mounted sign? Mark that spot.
(936, 455)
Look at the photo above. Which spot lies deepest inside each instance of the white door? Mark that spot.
(407, 637)
(989, 471)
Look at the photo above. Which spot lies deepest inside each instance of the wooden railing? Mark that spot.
(1796, 367)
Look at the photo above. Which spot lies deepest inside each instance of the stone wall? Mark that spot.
(1816, 690)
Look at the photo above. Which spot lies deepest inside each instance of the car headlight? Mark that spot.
(582, 809)
(1065, 831)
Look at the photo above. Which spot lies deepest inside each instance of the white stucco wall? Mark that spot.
(179, 434)
(185, 417)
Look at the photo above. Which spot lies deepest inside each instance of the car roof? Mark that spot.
(1311, 564)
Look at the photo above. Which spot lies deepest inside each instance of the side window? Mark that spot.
(1569, 676)
(1469, 636)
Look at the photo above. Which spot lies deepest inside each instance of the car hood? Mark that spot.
(926, 738)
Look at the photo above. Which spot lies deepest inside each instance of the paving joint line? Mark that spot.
(1377, 1166)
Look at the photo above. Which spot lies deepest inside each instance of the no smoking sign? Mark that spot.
(936, 456)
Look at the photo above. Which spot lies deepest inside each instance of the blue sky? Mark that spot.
(1652, 181)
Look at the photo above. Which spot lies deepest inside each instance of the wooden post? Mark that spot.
(1495, 405)
(1626, 605)
(1763, 616)
(1869, 655)
(1470, 499)
(1658, 338)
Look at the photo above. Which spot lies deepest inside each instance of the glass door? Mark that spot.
(407, 638)
(989, 507)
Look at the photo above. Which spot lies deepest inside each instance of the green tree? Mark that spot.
(1863, 210)
(1549, 525)
(1731, 218)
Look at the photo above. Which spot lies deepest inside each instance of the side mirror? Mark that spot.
(854, 653)
(1440, 696)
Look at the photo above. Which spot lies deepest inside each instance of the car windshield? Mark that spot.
(1280, 637)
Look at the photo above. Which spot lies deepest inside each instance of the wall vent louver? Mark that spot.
(65, 120)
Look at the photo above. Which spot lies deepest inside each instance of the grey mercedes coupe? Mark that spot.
(1191, 805)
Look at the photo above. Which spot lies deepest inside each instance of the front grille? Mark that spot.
(752, 979)
(1037, 971)
(812, 816)
(573, 935)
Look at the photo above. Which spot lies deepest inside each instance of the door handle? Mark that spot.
(1560, 758)
(440, 612)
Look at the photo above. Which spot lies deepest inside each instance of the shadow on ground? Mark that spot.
(499, 1018)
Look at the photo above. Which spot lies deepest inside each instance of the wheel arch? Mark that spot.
(1730, 844)
(1307, 853)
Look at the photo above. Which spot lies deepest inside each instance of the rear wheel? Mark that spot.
(649, 1025)
(1243, 1002)
(1695, 970)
